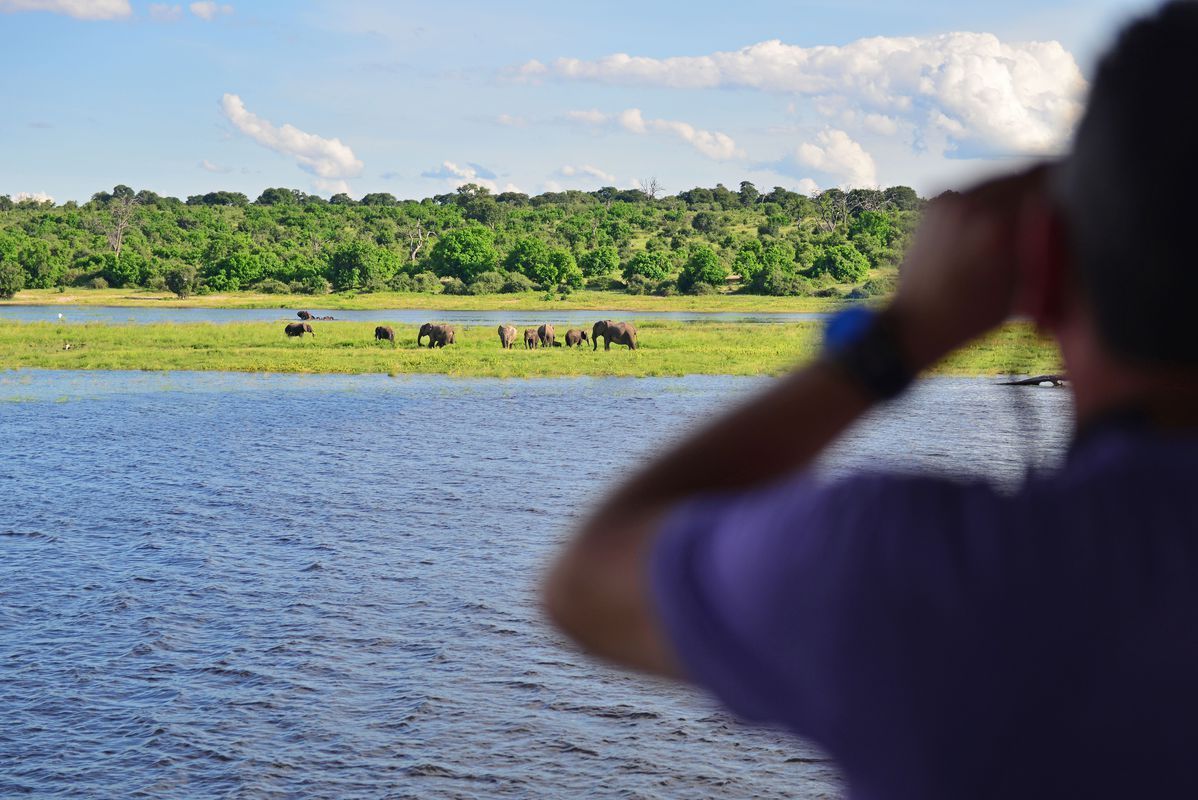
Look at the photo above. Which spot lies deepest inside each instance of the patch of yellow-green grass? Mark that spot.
(524, 301)
(666, 349)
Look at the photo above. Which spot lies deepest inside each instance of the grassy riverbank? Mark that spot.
(526, 301)
(667, 348)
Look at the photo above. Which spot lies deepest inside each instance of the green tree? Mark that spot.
(654, 265)
(351, 266)
(747, 262)
(843, 262)
(748, 194)
(182, 280)
(37, 261)
(702, 268)
(464, 253)
(530, 256)
(566, 270)
(599, 262)
(12, 279)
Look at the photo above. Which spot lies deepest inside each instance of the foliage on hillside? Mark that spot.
(468, 241)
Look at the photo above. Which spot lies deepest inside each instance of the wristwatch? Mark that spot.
(862, 344)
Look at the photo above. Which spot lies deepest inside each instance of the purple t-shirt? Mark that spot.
(943, 640)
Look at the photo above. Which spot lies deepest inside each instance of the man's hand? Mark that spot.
(960, 276)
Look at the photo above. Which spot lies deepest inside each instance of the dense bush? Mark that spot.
(269, 286)
(639, 284)
(599, 262)
(653, 265)
(182, 280)
(874, 287)
(12, 279)
(454, 286)
(517, 283)
(425, 282)
(778, 281)
(465, 253)
(703, 268)
(490, 282)
(843, 262)
(560, 240)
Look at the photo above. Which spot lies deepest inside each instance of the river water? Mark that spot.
(119, 315)
(232, 585)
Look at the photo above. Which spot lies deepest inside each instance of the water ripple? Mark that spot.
(294, 586)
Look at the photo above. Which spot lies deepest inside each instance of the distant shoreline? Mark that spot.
(666, 349)
(583, 300)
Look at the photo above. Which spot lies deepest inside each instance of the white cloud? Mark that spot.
(37, 197)
(511, 121)
(330, 160)
(208, 166)
(713, 144)
(835, 153)
(208, 10)
(807, 186)
(880, 124)
(459, 175)
(164, 12)
(590, 117)
(331, 185)
(587, 171)
(1001, 96)
(79, 9)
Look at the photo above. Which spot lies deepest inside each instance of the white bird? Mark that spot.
(60, 315)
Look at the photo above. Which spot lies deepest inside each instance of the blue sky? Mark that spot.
(416, 98)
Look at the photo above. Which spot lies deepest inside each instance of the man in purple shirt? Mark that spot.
(937, 638)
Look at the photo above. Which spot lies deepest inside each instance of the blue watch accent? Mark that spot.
(862, 345)
(847, 326)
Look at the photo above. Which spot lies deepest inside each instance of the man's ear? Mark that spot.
(1043, 263)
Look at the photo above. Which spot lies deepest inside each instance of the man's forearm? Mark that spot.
(772, 435)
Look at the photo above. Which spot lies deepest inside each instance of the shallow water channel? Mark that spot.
(121, 315)
(323, 586)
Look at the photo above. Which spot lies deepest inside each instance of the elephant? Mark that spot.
(507, 336)
(545, 335)
(438, 335)
(619, 332)
(304, 315)
(530, 338)
(298, 329)
(575, 337)
(384, 332)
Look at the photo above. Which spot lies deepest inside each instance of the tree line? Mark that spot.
(698, 241)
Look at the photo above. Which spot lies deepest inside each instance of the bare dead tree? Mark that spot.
(651, 187)
(417, 236)
(833, 208)
(122, 211)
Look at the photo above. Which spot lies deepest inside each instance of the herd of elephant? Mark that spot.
(440, 335)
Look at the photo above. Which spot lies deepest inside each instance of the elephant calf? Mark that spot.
(507, 336)
(298, 329)
(575, 337)
(530, 338)
(438, 335)
(384, 332)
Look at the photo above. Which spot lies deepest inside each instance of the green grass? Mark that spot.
(526, 301)
(667, 348)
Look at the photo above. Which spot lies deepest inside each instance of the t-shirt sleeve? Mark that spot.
(812, 605)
